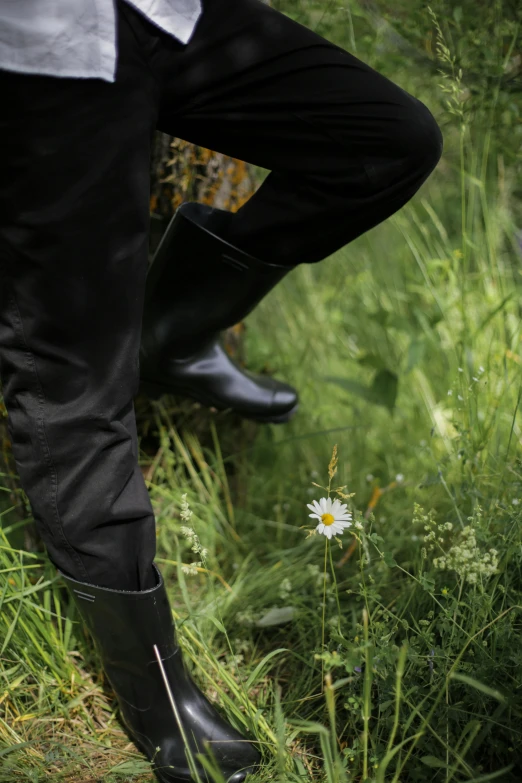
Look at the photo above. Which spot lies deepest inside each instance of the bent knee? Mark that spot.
(420, 136)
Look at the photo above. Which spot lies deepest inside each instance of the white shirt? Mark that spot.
(78, 37)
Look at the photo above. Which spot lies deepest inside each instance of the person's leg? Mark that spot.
(74, 213)
(346, 148)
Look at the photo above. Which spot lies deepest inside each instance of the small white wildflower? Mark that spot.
(466, 559)
(246, 617)
(399, 478)
(515, 502)
(185, 512)
(370, 477)
(475, 378)
(191, 570)
(285, 588)
(359, 525)
(460, 398)
(460, 369)
(450, 392)
(332, 515)
(316, 575)
(481, 369)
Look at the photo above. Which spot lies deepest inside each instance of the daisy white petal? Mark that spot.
(332, 515)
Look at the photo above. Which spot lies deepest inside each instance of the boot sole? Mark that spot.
(156, 390)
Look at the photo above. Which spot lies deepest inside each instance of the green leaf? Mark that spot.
(383, 390)
(276, 616)
(219, 625)
(372, 360)
(260, 666)
(432, 761)
(18, 746)
(499, 773)
(132, 767)
(389, 560)
(354, 387)
(479, 686)
(427, 583)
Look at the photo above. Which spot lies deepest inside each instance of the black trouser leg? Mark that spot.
(74, 185)
(346, 146)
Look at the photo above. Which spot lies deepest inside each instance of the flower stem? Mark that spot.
(367, 693)
(336, 591)
(324, 612)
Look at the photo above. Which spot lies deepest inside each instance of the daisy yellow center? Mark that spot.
(327, 519)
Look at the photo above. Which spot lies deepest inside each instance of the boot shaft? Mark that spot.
(199, 284)
(127, 628)
(163, 709)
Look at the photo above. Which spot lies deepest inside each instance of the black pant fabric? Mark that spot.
(345, 147)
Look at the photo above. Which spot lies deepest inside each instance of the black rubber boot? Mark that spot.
(199, 285)
(131, 631)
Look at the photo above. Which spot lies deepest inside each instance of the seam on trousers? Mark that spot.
(41, 431)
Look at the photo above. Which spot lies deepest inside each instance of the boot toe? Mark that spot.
(238, 777)
(285, 399)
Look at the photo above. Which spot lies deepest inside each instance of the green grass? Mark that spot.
(415, 673)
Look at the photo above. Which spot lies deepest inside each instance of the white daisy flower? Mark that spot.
(332, 515)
